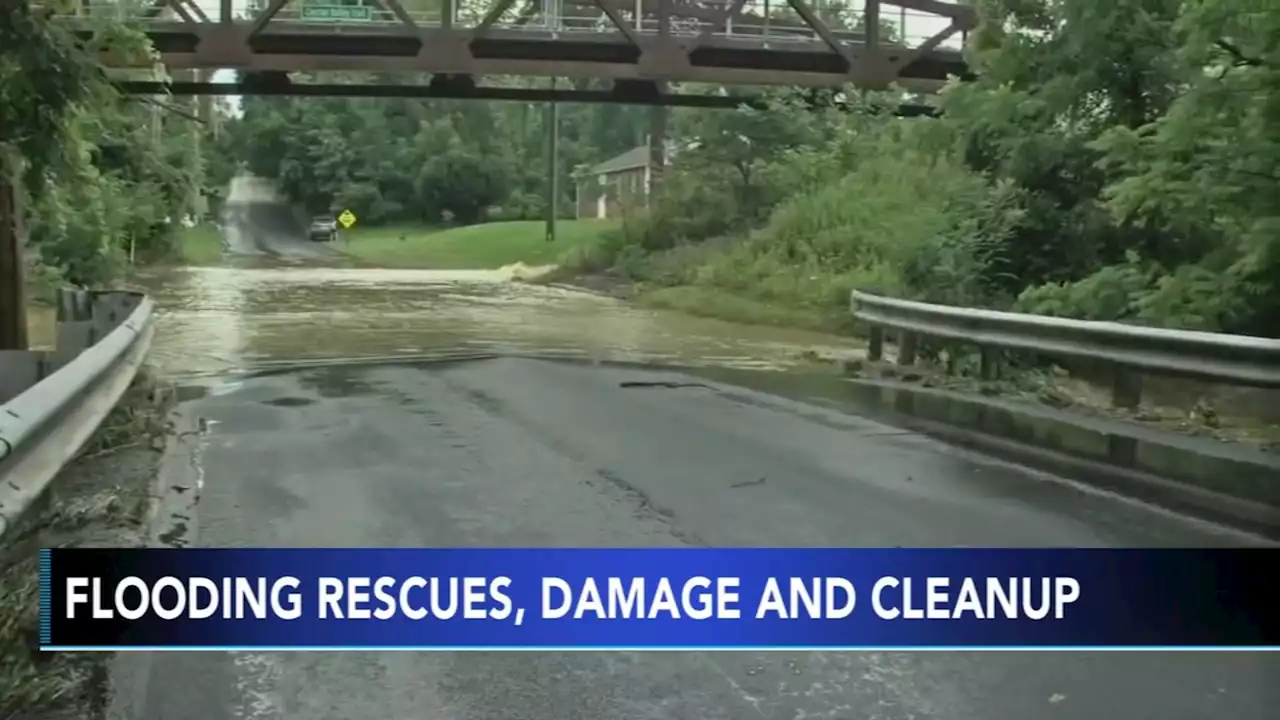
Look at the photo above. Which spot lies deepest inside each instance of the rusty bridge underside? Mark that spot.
(642, 46)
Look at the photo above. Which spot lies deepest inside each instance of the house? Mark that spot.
(603, 190)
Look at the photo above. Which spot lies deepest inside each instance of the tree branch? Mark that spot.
(176, 111)
(1238, 55)
(1255, 173)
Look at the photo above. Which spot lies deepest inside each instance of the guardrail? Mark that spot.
(54, 401)
(1130, 349)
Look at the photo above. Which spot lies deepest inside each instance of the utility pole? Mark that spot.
(551, 8)
(13, 311)
(553, 165)
(658, 113)
(657, 145)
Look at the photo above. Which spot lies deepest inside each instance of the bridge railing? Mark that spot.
(51, 402)
(1130, 350)
(769, 20)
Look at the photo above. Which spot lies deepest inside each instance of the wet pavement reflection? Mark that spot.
(261, 310)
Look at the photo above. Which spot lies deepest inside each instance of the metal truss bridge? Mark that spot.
(642, 46)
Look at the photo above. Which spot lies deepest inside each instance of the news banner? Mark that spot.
(657, 599)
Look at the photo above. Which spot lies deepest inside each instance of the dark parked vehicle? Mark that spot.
(323, 228)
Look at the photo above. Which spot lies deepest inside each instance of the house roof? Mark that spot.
(636, 157)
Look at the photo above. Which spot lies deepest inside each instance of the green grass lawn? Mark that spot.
(200, 245)
(474, 247)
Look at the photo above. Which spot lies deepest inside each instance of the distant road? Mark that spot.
(516, 452)
(258, 220)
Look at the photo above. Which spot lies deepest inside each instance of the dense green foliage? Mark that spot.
(398, 160)
(106, 178)
(1117, 160)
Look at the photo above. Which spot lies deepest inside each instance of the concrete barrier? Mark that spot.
(1207, 478)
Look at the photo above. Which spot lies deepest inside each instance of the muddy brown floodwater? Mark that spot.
(219, 319)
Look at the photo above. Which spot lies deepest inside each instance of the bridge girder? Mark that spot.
(652, 41)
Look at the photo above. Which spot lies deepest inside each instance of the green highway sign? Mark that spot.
(333, 13)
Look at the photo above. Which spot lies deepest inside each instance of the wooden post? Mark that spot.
(13, 310)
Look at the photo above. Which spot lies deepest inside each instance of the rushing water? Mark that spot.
(216, 319)
(225, 318)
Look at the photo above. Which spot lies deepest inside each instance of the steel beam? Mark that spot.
(618, 21)
(395, 8)
(927, 46)
(461, 92)
(265, 17)
(716, 25)
(491, 17)
(487, 48)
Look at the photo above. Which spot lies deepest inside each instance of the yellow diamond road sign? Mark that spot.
(347, 218)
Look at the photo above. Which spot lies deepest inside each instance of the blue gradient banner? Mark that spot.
(658, 599)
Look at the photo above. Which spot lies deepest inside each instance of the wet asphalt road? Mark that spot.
(514, 452)
(268, 228)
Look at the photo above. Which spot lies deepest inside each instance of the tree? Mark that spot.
(1053, 76)
(104, 174)
(747, 140)
(1206, 173)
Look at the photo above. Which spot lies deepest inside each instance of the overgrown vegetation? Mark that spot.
(1117, 160)
(106, 180)
(404, 161)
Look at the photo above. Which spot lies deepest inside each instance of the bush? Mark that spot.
(901, 222)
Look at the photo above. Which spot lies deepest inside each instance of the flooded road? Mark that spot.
(518, 452)
(514, 452)
(216, 319)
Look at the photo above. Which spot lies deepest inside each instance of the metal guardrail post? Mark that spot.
(1131, 351)
(907, 342)
(989, 363)
(75, 325)
(875, 343)
(1126, 388)
(73, 305)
